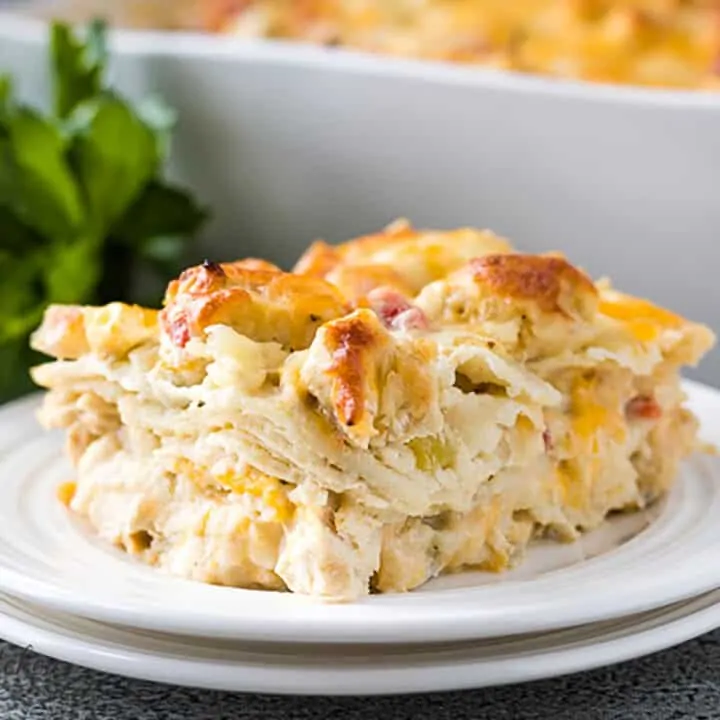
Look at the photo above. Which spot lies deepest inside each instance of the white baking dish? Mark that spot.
(289, 142)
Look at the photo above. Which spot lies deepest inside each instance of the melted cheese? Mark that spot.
(644, 320)
(66, 492)
(251, 482)
(592, 416)
(268, 489)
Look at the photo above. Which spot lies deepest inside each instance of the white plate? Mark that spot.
(634, 563)
(337, 670)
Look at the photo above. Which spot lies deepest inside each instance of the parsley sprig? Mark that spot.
(84, 205)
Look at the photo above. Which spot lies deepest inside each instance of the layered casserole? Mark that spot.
(662, 43)
(406, 404)
(656, 43)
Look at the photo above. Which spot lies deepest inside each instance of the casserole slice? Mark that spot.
(401, 406)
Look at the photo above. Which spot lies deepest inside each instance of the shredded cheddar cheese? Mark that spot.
(644, 320)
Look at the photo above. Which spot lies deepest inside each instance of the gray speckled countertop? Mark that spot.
(673, 685)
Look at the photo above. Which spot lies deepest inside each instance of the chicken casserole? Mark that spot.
(406, 404)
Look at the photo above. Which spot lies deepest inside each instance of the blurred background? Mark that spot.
(592, 128)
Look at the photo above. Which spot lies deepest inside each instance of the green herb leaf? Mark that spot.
(161, 210)
(73, 272)
(77, 67)
(5, 98)
(160, 118)
(36, 182)
(115, 156)
(15, 237)
(165, 256)
(21, 295)
(164, 252)
(82, 202)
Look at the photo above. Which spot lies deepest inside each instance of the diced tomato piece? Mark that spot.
(643, 407)
(396, 311)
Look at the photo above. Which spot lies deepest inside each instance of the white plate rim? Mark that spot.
(585, 648)
(387, 621)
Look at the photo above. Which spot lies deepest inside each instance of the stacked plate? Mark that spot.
(641, 583)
